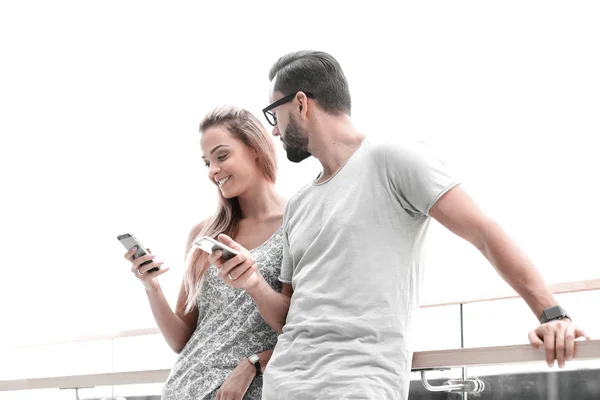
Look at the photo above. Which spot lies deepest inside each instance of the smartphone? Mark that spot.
(209, 245)
(129, 241)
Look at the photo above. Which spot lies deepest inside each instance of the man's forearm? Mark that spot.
(516, 269)
(273, 306)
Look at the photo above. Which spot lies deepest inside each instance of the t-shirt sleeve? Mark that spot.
(287, 269)
(287, 265)
(417, 176)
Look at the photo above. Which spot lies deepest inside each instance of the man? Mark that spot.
(351, 268)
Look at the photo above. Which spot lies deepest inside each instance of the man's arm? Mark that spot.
(461, 215)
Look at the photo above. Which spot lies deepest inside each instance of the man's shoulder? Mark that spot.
(404, 151)
(394, 152)
(395, 144)
(296, 199)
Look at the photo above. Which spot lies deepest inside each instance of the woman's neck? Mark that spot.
(261, 202)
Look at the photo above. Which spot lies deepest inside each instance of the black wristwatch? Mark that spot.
(254, 360)
(553, 313)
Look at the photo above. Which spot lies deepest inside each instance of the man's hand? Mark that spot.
(236, 385)
(558, 340)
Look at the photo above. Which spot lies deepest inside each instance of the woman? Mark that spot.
(216, 328)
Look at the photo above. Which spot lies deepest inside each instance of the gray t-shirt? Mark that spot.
(352, 252)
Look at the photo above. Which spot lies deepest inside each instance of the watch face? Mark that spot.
(253, 359)
(554, 313)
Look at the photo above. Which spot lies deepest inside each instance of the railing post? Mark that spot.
(462, 345)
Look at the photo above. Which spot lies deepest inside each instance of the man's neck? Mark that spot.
(333, 142)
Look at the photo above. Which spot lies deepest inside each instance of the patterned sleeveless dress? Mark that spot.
(229, 329)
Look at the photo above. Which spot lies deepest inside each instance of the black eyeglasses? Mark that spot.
(272, 118)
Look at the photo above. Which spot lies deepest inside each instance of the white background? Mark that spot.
(100, 104)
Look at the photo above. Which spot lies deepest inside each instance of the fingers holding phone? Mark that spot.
(236, 265)
(237, 270)
(146, 268)
(146, 265)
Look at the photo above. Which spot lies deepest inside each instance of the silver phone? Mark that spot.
(129, 242)
(209, 245)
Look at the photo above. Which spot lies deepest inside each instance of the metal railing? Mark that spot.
(557, 288)
(422, 361)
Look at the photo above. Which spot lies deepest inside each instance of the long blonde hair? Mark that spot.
(242, 125)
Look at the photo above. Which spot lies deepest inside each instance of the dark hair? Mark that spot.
(315, 72)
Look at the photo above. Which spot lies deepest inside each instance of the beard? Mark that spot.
(295, 142)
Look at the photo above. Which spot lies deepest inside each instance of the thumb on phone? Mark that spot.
(227, 241)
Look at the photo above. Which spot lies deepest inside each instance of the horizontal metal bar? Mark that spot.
(440, 359)
(559, 288)
(508, 293)
(87, 381)
(90, 337)
(485, 356)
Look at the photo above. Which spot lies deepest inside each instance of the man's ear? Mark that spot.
(302, 102)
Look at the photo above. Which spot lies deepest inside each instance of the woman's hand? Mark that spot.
(241, 271)
(236, 384)
(148, 279)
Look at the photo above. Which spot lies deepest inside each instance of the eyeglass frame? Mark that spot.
(285, 99)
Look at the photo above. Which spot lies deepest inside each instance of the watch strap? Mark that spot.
(257, 366)
(552, 314)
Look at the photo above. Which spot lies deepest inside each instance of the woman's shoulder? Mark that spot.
(195, 231)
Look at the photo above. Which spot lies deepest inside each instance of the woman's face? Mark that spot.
(232, 165)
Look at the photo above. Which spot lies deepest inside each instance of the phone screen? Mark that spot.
(209, 245)
(129, 241)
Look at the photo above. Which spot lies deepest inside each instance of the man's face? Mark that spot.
(293, 136)
(295, 141)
